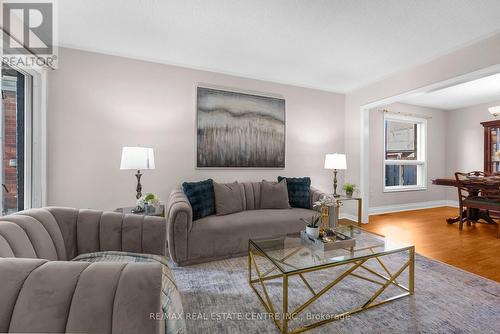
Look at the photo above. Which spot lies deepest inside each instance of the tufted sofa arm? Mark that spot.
(77, 297)
(41, 291)
(179, 222)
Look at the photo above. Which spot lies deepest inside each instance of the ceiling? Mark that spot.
(467, 94)
(335, 45)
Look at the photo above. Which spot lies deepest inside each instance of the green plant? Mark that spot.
(350, 187)
(313, 223)
(150, 199)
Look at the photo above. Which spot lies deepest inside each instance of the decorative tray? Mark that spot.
(338, 240)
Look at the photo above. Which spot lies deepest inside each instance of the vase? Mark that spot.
(149, 209)
(312, 232)
(349, 194)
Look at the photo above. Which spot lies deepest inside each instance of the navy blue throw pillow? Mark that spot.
(201, 196)
(299, 189)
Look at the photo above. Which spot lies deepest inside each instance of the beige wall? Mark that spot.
(475, 57)
(464, 140)
(436, 162)
(99, 103)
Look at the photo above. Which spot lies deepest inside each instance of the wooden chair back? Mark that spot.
(465, 185)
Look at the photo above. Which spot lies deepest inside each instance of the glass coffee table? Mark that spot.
(271, 260)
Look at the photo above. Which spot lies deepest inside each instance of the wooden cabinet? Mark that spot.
(491, 146)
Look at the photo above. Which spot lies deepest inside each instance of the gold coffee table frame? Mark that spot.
(282, 319)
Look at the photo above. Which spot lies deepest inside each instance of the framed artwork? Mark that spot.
(239, 130)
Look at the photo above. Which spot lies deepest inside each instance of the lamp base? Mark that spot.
(335, 184)
(138, 188)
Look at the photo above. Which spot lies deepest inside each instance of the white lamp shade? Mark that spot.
(137, 158)
(494, 110)
(335, 161)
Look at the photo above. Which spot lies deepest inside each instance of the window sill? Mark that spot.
(402, 189)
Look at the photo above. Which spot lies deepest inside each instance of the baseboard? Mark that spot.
(411, 206)
(348, 217)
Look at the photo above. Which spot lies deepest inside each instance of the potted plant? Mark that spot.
(149, 203)
(312, 228)
(349, 188)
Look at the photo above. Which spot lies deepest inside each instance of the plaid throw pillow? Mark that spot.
(299, 189)
(201, 196)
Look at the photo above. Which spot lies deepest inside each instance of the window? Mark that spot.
(15, 141)
(404, 153)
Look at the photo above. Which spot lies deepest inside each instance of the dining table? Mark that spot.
(479, 182)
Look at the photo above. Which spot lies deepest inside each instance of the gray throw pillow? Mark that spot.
(274, 195)
(228, 198)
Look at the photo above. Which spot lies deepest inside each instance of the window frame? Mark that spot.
(35, 131)
(420, 162)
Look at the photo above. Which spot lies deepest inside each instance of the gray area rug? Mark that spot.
(217, 299)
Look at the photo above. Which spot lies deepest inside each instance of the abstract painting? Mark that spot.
(238, 130)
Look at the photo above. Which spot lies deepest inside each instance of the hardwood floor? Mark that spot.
(475, 249)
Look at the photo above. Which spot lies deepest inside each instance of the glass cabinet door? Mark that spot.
(495, 149)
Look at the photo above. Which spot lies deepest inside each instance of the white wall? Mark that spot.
(465, 140)
(436, 162)
(99, 103)
(475, 57)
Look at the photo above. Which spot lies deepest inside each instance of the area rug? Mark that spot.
(217, 299)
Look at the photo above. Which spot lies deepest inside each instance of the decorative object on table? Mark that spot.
(149, 203)
(238, 130)
(274, 195)
(228, 198)
(329, 207)
(324, 205)
(349, 189)
(201, 196)
(312, 228)
(336, 162)
(138, 158)
(334, 240)
(299, 189)
(495, 111)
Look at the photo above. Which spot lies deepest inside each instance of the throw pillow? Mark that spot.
(201, 196)
(274, 195)
(299, 190)
(228, 198)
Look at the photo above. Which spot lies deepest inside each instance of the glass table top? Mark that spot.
(290, 253)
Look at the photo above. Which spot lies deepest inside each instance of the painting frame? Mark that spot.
(243, 93)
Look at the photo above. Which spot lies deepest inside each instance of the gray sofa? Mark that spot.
(43, 292)
(217, 237)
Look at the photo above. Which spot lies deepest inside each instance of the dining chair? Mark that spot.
(476, 193)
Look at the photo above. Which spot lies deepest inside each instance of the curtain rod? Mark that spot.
(405, 114)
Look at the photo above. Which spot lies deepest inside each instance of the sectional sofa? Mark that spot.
(43, 291)
(217, 237)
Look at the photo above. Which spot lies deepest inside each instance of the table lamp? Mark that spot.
(138, 158)
(335, 161)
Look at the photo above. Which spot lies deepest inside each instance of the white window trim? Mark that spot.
(35, 177)
(421, 154)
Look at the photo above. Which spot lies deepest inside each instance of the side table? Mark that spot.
(128, 210)
(336, 202)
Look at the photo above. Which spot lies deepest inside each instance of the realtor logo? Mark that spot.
(28, 33)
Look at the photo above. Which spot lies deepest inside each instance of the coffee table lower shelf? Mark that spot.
(282, 319)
